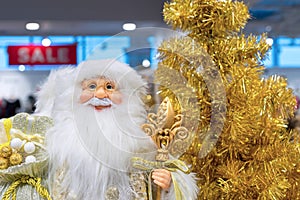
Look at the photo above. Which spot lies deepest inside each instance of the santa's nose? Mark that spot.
(100, 93)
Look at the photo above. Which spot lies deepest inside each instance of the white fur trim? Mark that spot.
(57, 82)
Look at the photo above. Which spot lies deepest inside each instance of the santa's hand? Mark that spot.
(162, 178)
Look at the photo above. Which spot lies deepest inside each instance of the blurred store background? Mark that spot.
(127, 30)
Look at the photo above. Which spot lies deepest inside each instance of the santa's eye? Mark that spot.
(109, 86)
(92, 86)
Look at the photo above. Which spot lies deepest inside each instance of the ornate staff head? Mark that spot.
(166, 131)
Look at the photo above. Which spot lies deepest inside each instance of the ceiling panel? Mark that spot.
(96, 17)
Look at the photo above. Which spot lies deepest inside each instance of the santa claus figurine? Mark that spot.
(97, 114)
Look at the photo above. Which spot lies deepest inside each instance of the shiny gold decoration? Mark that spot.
(4, 163)
(7, 123)
(31, 124)
(112, 193)
(138, 184)
(5, 151)
(25, 180)
(241, 147)
(165, 129)
(15, 159)
(11, 192)
(206, 17)
(160, 132)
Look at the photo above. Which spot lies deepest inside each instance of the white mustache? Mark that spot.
(99, 102)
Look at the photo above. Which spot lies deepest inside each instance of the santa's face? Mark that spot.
(100, 93)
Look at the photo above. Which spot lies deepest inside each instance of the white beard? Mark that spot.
(96, 147)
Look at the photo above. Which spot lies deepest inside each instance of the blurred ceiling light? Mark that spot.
(46, 42)
(21, 68)
(146, 63)
(129, 26)
(269, 41)
(32, 26)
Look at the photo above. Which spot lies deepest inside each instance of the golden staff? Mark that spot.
(166, 131)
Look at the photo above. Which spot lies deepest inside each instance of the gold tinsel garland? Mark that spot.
(206, 18)
(238, 49)
(242, 147)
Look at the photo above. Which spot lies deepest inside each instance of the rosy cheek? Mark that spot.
(85, 96)
(116, 98)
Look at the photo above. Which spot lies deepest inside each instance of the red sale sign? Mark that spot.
(40, 55)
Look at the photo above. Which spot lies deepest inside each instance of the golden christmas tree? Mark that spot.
(242, 148)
